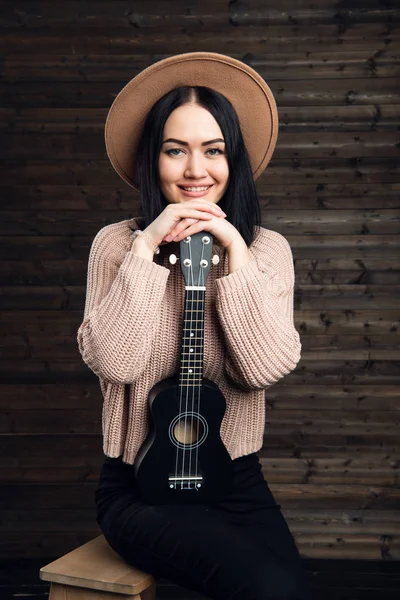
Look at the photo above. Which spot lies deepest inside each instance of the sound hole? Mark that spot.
(188, 430)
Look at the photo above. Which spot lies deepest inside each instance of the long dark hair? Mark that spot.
(240, 201)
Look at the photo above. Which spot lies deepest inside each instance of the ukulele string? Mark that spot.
(189, 364)
(201, 274)
(180, 406)
(193, 297)
(187, 354)
(198, 344)
(187, 348)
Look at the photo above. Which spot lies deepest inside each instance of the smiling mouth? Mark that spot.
(195, 188)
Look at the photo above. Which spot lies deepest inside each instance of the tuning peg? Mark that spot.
(215, 259)
(173, 258)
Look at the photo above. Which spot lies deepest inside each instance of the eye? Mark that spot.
(215, 150)
(169, 152)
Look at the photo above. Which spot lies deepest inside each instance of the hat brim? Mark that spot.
(249, 94)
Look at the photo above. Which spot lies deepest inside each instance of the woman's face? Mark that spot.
(188, 159)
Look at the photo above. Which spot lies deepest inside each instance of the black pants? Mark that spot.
(240, 548)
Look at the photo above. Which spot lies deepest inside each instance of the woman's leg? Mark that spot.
(253, 509)
(194, 546)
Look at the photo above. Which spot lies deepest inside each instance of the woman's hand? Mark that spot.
(179, 217)
(218, 226)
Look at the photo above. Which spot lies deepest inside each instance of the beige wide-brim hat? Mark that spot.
(247, 91)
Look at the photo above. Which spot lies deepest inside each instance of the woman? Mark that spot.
(173, 134)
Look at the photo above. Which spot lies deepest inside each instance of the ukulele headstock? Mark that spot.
(195, 257)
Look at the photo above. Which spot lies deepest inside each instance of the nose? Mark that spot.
(195, 166)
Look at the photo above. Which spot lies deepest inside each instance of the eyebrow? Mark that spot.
(186, 143)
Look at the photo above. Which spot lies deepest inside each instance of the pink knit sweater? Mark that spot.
(132, 328)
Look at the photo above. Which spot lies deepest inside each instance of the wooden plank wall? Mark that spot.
(331, 450)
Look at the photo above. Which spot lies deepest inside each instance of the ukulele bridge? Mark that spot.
(174, 480)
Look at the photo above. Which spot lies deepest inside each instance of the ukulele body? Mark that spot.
(183, 459)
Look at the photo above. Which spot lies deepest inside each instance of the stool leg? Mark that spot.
(59, 591)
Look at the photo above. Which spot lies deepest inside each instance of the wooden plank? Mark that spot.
(117, 39)
(282, 396)
(331, 521)
(47, 272)
(48, 520)
(69, 272)
(348, 523)
(315, 449)
(310, 496)
(371, 421)
(345, 371)
(334, 118)
(368, 547)
(80, 450)
(308, 92)
(292, 145)
(329, 65)
(335, 470)
(332, 296)
(302, 196)
(36, 470)
(292, 118)
(23, 371)
(314, 422)
(44, 544)
(348, 396)
(48, 396)
(297, 440)
(151, 14)
(322, 496)
(278, 442)
(70, 449)
(56, 420)
(307, 222)
(276, 470)
(62, 322)
(354, 547)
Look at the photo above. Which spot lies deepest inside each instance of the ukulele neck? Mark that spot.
(192, 354)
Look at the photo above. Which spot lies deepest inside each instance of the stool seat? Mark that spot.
(96, 566)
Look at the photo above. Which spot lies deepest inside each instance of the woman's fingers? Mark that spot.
(181, 226)
(178, 216)
(191, 230)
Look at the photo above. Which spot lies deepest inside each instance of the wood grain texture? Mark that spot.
(96, 566)
(331, 450)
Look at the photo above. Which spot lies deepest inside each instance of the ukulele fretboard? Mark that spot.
(192, 354)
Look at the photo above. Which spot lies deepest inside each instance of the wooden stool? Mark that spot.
(95, 572)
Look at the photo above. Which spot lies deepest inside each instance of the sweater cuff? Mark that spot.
(238, 279)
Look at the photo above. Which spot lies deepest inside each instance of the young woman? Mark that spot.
(192, 132)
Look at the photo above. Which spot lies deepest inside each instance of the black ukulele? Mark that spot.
(183, 459)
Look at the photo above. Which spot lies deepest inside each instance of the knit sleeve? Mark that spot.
(121, 308)
(254, 305)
